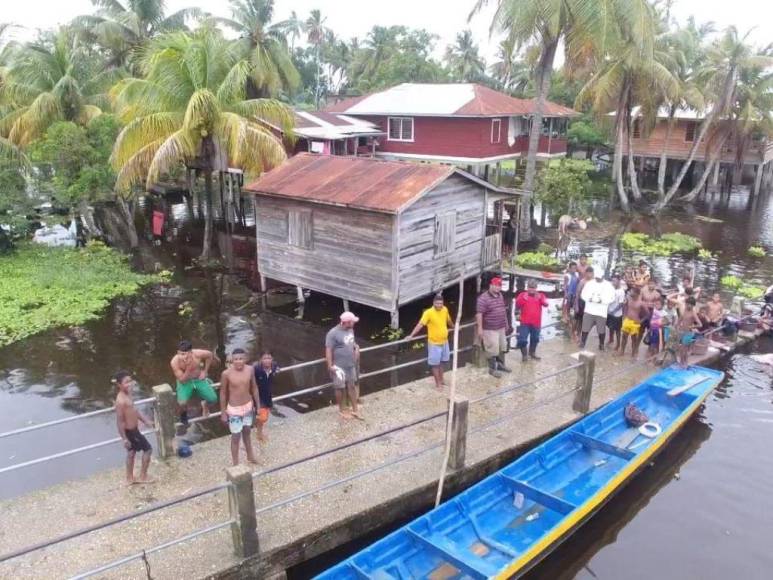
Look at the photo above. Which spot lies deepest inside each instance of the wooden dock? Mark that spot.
(304, 526)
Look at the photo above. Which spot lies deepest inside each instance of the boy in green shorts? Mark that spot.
(191, 367)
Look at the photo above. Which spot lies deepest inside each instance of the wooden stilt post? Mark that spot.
(758, 179)
(346, 304)
(584, 382)
(394, 321)
(458, 432)
(299, 294)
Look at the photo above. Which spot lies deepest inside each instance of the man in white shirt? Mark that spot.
(598, 294)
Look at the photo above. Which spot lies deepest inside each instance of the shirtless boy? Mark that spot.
(635, 312)
(238, 401)
(715, 311)
(128, 418)
(191, 367)
(685, 327)
(650, 294)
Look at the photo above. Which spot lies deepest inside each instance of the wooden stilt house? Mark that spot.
(379, 233)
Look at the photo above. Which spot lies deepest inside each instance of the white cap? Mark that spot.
(349, 317)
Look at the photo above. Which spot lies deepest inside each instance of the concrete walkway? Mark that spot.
(305, 528)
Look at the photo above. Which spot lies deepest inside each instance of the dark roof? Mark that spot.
(342, 105)
(358, 182)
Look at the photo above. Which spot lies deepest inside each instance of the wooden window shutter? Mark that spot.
(445, 233)
(300, 229)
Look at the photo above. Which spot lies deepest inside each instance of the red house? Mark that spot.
(462, 124)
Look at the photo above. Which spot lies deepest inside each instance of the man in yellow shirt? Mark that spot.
(437, 320)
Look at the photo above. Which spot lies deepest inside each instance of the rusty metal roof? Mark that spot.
(357, 182)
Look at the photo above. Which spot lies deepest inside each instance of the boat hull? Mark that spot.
(505, 524)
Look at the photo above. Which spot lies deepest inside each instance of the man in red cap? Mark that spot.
(493, 327)
(530, 303)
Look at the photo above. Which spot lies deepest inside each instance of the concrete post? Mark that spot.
(165, 410)
(458, 432)
(738, 305)
(758, 179)
(584, 382)
(241, 504)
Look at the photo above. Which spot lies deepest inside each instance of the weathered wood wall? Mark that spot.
(421, 272)
(350, 254)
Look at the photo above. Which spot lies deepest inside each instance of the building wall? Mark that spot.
(420, 271)
(651, 144)
(460, 137)
(351, 255)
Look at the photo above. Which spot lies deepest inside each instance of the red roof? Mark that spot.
(342, 105)
(490, 102)
(363, 183)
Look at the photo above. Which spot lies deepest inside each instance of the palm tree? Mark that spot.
(266, 45)
(56, 79)
(316, 31)
(122, 26)
(512, 73)
(463, 60)
(191, 108)
(725, 61)
(293, 29)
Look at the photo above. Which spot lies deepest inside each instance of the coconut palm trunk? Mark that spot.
(632, 175)
(617, 163)
(209, 222)
(663, 164)
(127, 213)
(543, 75)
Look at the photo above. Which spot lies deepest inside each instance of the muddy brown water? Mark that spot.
(66, 371)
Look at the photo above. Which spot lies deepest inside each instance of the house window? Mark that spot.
(496, 130)
(636, 129)
(689, 132)
(362, 141)
(445, 233)
(401, 128)
(300, 227)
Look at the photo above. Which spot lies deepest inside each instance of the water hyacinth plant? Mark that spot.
(538, 261)
(668, 244)
(756, 251)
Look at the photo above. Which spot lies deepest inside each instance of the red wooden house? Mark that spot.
(461, 124)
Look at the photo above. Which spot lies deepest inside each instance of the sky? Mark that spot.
(349, 18)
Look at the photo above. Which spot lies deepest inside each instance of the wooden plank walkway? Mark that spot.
(313, 525)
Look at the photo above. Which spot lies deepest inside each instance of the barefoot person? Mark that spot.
(437, 320)
(128, 418)
(341, 355)
(238, 396)
(598, 295)
(635, 312)
(615, 313)
(265, 371)
(685, 327)
(191, 367)
(715, 311)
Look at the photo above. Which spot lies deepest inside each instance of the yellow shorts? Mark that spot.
(631, 327)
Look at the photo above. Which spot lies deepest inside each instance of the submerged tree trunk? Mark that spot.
(693, 194)
(127, 213)
(663, 165)
(543, 77)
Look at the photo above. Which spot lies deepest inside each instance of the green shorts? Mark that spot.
(201, 387)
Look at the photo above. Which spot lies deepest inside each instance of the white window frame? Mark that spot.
(400, 120)
(498, 124)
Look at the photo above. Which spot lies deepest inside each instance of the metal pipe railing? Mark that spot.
(117, 520)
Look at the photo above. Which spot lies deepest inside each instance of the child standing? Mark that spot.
(656, 327)
(265, 370)
(128, 418)
(238, 393)
(688, 323)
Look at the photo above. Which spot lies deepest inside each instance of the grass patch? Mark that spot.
(42, 287)
(538, 261)
(668, 244)
(756, 251)
(731, 282)
(751, 292)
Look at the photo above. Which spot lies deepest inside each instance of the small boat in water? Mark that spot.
(508, 522)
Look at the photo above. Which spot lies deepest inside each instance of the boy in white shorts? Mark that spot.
(238, 396)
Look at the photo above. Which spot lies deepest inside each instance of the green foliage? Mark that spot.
(388, 334)
(668, 244)
(704, 254)
(546, 248)
(731, 282)
(756, 251)
(564, 187)
(585, 134)
(42, 287)
(15, 204)
(73, 161)
(537, 261)
(751, 292)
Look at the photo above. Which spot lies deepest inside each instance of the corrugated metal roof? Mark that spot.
(363, 183)
(444, 100)
(326, 125)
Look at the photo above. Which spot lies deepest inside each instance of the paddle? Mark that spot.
(684, 388)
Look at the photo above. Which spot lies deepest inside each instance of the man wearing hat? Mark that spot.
(530, 303)
(341, 355)
(493, 327)
(598, 294)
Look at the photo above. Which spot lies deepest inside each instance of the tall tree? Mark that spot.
(316, 31)
(463, 59)
(272, 68)
(191, 108)
(293, 28)
(54, 79)
(122, 27)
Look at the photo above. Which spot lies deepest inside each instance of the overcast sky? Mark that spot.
(445, 18)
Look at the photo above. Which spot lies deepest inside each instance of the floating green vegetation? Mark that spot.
(544, 248)
(751, 292)
(42, 287)
(537, 261)
(731, 282)
(668, 244)
(756, 251)
(705, 254)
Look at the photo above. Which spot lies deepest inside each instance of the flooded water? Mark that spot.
(707, 523)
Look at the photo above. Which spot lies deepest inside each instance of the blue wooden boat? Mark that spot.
(505, 524)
